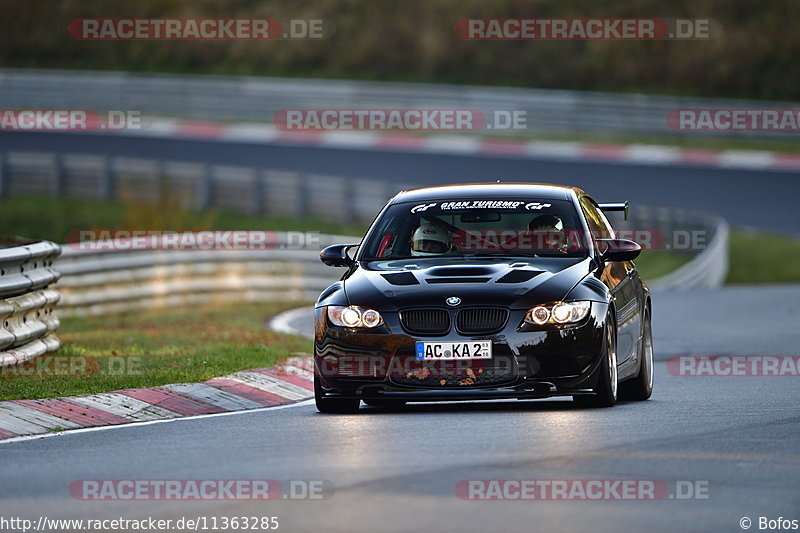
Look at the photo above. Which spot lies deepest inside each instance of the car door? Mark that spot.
(619, 277)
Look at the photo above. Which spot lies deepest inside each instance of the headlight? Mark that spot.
(371, 318)
(354, 317)
(558, 313)
(539, 315)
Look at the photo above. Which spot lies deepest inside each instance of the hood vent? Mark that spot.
(452, 271)
(457, 280)
(519, 276)
(401, 278)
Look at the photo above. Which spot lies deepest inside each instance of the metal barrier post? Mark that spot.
(57, 175)
(105, 180)
(3, 176)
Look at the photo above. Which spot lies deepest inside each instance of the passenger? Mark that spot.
(548, 233)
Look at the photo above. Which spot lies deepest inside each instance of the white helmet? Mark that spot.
(430, 240)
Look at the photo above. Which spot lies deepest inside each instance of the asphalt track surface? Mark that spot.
(756, 198)
(396, 470)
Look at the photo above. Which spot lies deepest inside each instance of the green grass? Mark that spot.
(150, 348)
(753, 257)
(656, 263)
(54, 218)
(758, 257)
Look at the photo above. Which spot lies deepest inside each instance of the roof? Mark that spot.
(489, 190)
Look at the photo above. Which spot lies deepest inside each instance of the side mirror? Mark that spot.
(619, 250)
(336, 255)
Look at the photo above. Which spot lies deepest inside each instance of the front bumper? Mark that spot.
(526, 362)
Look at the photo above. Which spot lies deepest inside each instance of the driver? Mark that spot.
(430, 240)
(549, 233)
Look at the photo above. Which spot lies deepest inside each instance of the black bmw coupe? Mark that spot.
(484, 291)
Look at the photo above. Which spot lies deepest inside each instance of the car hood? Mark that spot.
(513, 283)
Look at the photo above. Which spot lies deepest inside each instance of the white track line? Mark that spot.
(746, 159)
(151, 422)
(250, 132)
(552, 149)
(356, 139)
(142, 413)
(451, 144)
(282, 323)
(653, 155)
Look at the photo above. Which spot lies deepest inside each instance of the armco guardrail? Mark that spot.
(257, 99)
(99, 280)
(27, 321)
(703, 236)
(708, 268)
(251, 190)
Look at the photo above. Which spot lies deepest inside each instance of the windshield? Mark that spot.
(477, 227)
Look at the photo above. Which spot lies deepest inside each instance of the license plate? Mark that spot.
(454, 350)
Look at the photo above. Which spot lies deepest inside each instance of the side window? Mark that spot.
(598, 224)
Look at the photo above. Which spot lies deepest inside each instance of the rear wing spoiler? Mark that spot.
(621, 206)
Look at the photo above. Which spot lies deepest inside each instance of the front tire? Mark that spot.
(640, 388)
(333, 405)
(605, 394)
